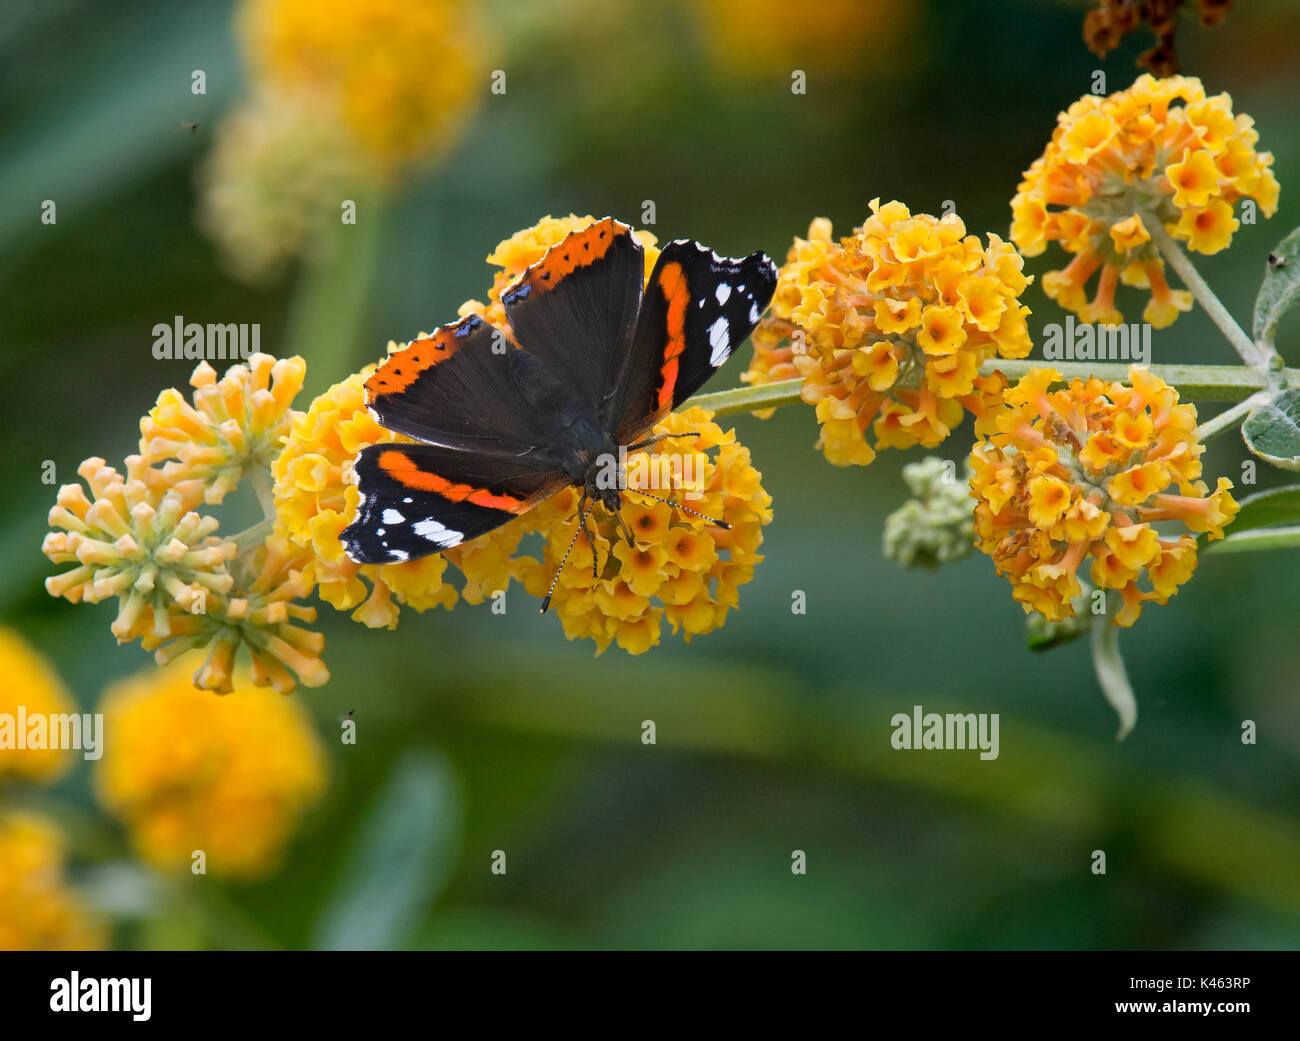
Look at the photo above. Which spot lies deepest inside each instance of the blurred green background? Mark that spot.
(479, 732)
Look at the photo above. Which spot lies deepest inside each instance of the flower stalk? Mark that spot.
(1112, 677)
(1252, 353)
(1235, 383)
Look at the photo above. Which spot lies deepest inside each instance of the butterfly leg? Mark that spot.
(627, 532)
(582, 514)
(661, 437)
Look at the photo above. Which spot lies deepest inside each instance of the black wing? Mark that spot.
(421, 499)
(698, 308)
(576, 308)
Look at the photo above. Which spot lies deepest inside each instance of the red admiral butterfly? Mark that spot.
(595, 362)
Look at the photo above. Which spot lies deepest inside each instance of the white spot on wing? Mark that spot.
(436, 533)
(399, 554)
(720, 341)
(723, 292)
(391, 516)
(753, 314)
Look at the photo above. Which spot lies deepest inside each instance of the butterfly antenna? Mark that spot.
(582, 523)
(686, 509)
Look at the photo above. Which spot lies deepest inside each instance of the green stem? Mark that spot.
(1199, 382)
(1251, 352)
(1111, 674)
(334, 289)
(1230, 417)
(260, 478)
(1258, 539)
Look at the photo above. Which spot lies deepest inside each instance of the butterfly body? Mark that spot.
(591, 363)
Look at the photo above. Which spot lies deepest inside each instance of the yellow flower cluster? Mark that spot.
(179, 585)
(236, 422)
(187, 772)
(888, 328)
(136, 537)
(1160, 157)
(31, 683)
(402, 77)
(1083, 472)
(38, 912)
(693, 568)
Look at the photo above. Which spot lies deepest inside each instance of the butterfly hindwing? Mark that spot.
(698, 308)
(576, 308)
(420, 499)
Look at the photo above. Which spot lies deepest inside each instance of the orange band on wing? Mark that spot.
(401, 369)
(577, 249)
(400, 467)
(672, 283)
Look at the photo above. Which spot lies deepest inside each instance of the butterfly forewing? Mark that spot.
(698, 308)
(576, 308)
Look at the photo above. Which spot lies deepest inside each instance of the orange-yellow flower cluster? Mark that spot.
(1160, 157)
(888, 328)
(38, 912)
(692, 568)
(187, 772)
(1084, 471)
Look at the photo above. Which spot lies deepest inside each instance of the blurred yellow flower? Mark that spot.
(236, 422)
(279, 171)
(402, 76)
(1084, 471)
(888, 328)
(186, 772)
(1159, 155)
(29, 683)
(38, 912)
(755, 39)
